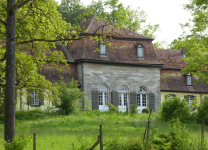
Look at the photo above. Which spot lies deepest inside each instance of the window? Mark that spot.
(34, 98)
(103, 95)
(170, 95)
(140, 51)
(189, 98)
(142, 97)
(102, 49)
(188, 79)
(122, 96)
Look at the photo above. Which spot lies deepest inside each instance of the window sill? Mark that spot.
(103, 55)
(141, 58)
(35, 105)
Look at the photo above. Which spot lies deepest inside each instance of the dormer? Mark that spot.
(189, 80)
(140, 51)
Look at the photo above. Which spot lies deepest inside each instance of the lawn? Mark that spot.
(80, 131)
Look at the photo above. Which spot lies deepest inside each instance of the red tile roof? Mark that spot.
(120, 51)
(174, 80)
(170, 58)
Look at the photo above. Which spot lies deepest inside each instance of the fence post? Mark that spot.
(34, 141)
(148, 131)
(101, 138)
(202, 140)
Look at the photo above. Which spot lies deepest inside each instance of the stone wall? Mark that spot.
(115, 76)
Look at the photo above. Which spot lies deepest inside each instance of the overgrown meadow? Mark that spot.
(120, 131)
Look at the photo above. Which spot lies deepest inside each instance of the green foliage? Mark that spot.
(134, 109)
(175, 139)
(196, 42)
(33, 115)
(174, 107)
(70, 97)
(112, 108)
(145, 110)
(19, 142)
(202, 111)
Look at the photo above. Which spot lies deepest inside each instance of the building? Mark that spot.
(173, 82)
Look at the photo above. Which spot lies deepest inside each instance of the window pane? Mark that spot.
(188, 80)
(144, 100)
(106, 97)
(125, 99)
(140, 52)
(138, 100)
(100, 96)
(102, 49)
(119, 100)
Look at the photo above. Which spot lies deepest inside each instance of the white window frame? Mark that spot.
(140, 93)
(140, 51)
(103, 95)
(102, 49)
(123, 95)
(35, 98)
(190, 98)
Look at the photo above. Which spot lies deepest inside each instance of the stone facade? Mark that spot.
(114, 76)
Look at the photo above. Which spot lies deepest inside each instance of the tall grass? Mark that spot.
(80, 131)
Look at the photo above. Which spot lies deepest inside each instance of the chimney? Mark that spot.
(183, 51)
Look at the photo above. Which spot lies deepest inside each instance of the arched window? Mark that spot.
(103, 95)
(122, 96)
(140, 51)
(142, 97)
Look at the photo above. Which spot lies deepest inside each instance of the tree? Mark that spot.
(36, 24)
(196, 43)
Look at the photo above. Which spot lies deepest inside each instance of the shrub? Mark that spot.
(134, 109)
(202, 111)
(145, 110)
(70, 97)
(174, 107)
(112, 108)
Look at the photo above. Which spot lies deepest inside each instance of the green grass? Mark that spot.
(55, 132)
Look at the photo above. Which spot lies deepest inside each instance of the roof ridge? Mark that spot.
(90, 23)
(138, 34)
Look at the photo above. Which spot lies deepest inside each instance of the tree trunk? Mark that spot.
(9, 130)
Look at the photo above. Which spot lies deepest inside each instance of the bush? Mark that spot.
(70, 97)
(145, 110)
(134, 109)
(112, 108)
(174, 107)
(202, 111)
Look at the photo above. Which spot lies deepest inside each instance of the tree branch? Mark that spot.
(4, 23)
(28, 12)
(19, 5)
(34, 40)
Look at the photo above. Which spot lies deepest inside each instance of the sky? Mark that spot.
(167, 13)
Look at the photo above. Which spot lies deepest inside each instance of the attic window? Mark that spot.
(188, 79)
(140, 51)
(102, 49)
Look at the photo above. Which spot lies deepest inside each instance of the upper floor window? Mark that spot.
(140, 51)
(102, 49)
(189, 99)
(188, 79)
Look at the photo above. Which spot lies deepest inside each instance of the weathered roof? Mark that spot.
(175, 80)
(97, 26)
(170, 58)
(120, 51)
(53, 75)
